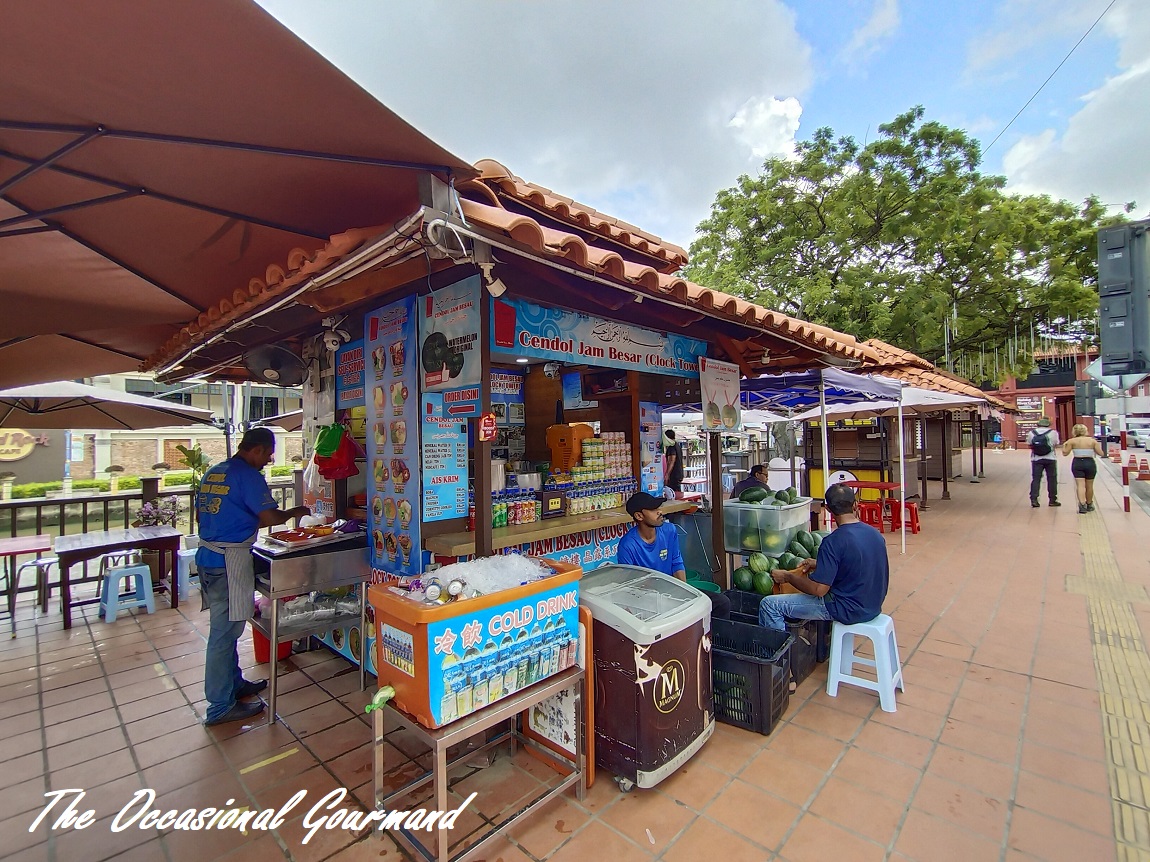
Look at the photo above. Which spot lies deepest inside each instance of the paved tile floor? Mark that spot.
(1021, 734)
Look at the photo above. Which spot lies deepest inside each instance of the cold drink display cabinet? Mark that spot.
(652, 654)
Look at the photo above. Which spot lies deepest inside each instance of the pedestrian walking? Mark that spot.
(1043, 442)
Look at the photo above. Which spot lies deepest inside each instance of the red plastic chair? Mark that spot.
(911, 513)
(871, 513)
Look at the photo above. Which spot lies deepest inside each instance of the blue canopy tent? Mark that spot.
(795, 392)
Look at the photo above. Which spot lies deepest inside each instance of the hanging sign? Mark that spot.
(487, 427)
(449, 345)
(349, 364)
(507, 398)
(521, 328)
(392, 416)
(444, 461)
(719, 382)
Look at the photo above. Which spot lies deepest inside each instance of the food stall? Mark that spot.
(507, 355)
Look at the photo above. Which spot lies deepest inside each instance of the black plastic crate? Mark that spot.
(744, 606)
(817, 633)
(812, 637)
(752, 688)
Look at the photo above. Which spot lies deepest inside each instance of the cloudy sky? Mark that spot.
(645, 109)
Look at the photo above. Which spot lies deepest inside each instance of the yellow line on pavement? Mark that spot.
(1123, 670)
(269, 761)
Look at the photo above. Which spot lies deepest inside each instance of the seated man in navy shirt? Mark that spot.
(653, 543)
(848, 581)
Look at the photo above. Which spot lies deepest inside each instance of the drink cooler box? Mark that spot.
(446, 661)
(812, 637)
(750, 527)
(652, 671)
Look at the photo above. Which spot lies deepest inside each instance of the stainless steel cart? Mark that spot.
(281, 572)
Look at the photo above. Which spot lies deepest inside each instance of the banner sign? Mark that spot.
(588, 549)
(650, 439)
(719, 382)
(521, 328)
(478, 658)
(444, 461)
(349, 376)
(449, 345)
(507, 398)
(393, 441)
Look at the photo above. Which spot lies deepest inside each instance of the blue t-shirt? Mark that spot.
(852, 561)
(662, 555)
(232, 495)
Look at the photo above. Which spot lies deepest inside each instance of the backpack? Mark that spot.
(1040, 444)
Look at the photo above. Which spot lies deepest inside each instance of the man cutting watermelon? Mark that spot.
(847, 582)
(653, 543)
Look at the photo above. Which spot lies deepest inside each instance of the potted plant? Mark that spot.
(162, 468)
(114, 471)
(196, 461)
(161, 512)
(7, 478)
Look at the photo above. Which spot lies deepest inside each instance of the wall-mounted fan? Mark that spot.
(275, 364)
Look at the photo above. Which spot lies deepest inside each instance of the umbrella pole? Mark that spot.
(901, 477)
(227, 418)
(826, 447)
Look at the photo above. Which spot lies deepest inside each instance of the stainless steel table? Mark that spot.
(441, 739)
(283, 572)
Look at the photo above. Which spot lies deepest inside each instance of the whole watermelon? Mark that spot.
(743, 578)
(763, 583)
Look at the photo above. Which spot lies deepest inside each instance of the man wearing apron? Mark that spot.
(234, 503)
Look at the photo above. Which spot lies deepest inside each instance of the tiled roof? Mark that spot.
(495, 179)
(276, 281)
(916, 371)
(574, 251)
(595, 244)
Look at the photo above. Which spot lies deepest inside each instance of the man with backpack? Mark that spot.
(1043, 440)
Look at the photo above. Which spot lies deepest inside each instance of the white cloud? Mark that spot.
(626, 107)
(767, 126)
(866, 41)
(1101, 151)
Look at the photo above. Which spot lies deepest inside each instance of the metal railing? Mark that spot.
(91, 512)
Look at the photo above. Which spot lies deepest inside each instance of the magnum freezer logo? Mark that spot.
(667, 680)
(669, 686)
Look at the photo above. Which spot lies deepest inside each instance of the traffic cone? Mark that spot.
(1143, 469)
(1133, 463)
(1116, 456)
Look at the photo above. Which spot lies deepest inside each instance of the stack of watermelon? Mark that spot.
(756, 574)
(767, 497)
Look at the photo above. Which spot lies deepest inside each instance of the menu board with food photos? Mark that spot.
(391, 378)
(444, 461)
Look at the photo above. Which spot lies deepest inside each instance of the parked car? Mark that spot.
(1139, 437)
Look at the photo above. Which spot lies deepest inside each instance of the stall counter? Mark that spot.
(462, 544)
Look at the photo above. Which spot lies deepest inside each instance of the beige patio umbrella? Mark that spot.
(74, 405)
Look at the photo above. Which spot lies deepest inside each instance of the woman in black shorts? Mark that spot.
(1083, 468)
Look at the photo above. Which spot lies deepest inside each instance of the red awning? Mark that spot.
(154, 157)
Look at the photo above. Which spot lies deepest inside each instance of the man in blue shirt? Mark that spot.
(653, 543)
(848, 581)
(234, 503)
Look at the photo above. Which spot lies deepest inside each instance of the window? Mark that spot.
(261, 408)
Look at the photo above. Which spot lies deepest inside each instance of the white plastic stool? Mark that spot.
(112, 602)
(887, 666)
(43, 566)
(185, 560)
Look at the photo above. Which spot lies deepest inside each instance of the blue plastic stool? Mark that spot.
(112, 602)
(184, 561)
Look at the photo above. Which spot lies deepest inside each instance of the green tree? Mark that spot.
(905, 240)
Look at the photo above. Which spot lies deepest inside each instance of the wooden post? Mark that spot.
(715, 459)
(946, 456)
(150, 488)
(482, 452)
